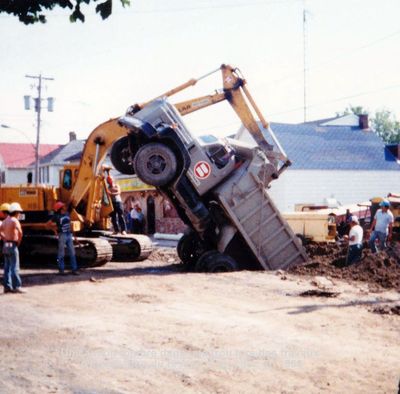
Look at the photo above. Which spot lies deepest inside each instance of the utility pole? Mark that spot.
(38, 108)
(305, 60)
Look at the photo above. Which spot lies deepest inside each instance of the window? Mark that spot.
(67, 179)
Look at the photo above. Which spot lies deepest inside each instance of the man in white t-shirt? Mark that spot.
(381, 226)
(355, 241)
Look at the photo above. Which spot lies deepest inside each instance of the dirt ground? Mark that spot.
(149, 328)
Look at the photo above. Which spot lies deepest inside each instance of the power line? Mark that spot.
(390, 87)
(333, 59)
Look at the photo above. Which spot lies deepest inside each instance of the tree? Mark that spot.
(351, 109)
(32, 11)
(383, 122)
(386, 126)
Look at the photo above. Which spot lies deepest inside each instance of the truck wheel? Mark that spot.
(204, 259)
(189, 249)
(220, 262)
(121, 156)
(155, 164)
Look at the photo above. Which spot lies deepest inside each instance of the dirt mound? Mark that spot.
(165, 255)
(382, 269)
(387, 310)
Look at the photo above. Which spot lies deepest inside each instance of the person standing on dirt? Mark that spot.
(355, 238)
(117, 216)
(381, 227)
(65, 238)
(11, 233)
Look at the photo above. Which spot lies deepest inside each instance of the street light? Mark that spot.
(6, 126)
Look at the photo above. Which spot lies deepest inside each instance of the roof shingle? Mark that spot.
(22, 155)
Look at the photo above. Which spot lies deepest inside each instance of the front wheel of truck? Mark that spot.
(155, 164)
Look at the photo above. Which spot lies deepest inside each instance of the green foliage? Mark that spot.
(386, 126)
(356, 110)
(33, 11)
(383, 123)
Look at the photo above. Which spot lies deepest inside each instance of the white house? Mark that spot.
(337, 159)
(51, 163)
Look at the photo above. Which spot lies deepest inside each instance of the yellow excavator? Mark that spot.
(94, 243)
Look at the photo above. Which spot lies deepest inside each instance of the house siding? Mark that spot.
(347, 187)
(16, 176)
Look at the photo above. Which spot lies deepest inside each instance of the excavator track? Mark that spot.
(129, 247)
(42, 250)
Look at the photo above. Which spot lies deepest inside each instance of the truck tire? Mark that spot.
(189, 249)
(204, 259)
(220, 262)
(155, 164)
(121, 156)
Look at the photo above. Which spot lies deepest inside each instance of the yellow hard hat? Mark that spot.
(5, 207)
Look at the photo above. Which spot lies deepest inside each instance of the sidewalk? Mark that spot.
(163, 243)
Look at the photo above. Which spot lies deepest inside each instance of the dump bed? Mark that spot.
(246, 201)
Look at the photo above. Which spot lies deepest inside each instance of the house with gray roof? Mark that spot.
(51, 163)
(338, 159)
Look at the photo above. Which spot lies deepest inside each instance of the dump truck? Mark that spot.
(218, 186)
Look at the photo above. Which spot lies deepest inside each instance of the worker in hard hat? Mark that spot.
(381, 227)
(117, 216)
(11, 232)
(65, 238)
(355, 239)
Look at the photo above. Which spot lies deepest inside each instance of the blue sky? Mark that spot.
(102, 67)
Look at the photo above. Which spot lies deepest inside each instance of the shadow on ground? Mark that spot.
(48, 277)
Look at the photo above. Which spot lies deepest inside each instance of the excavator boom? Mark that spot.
(236, 93)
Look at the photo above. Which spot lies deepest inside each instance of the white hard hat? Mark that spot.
(15, 207)
(354, 219)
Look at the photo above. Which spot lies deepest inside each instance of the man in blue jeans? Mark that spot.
(355, 239)
(381, 227)
(11, 234)
(65, 238)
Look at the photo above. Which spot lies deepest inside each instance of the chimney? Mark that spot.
(363, 121)
(72, 136)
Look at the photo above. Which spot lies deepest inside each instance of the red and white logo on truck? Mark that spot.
(202, 170)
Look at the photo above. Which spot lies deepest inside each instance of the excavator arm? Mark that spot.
(236, 93)
(94, 152)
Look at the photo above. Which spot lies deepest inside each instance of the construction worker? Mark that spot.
(355, 239)
(117, 216)
(381, 226)
(11, 233)
(63, 221)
